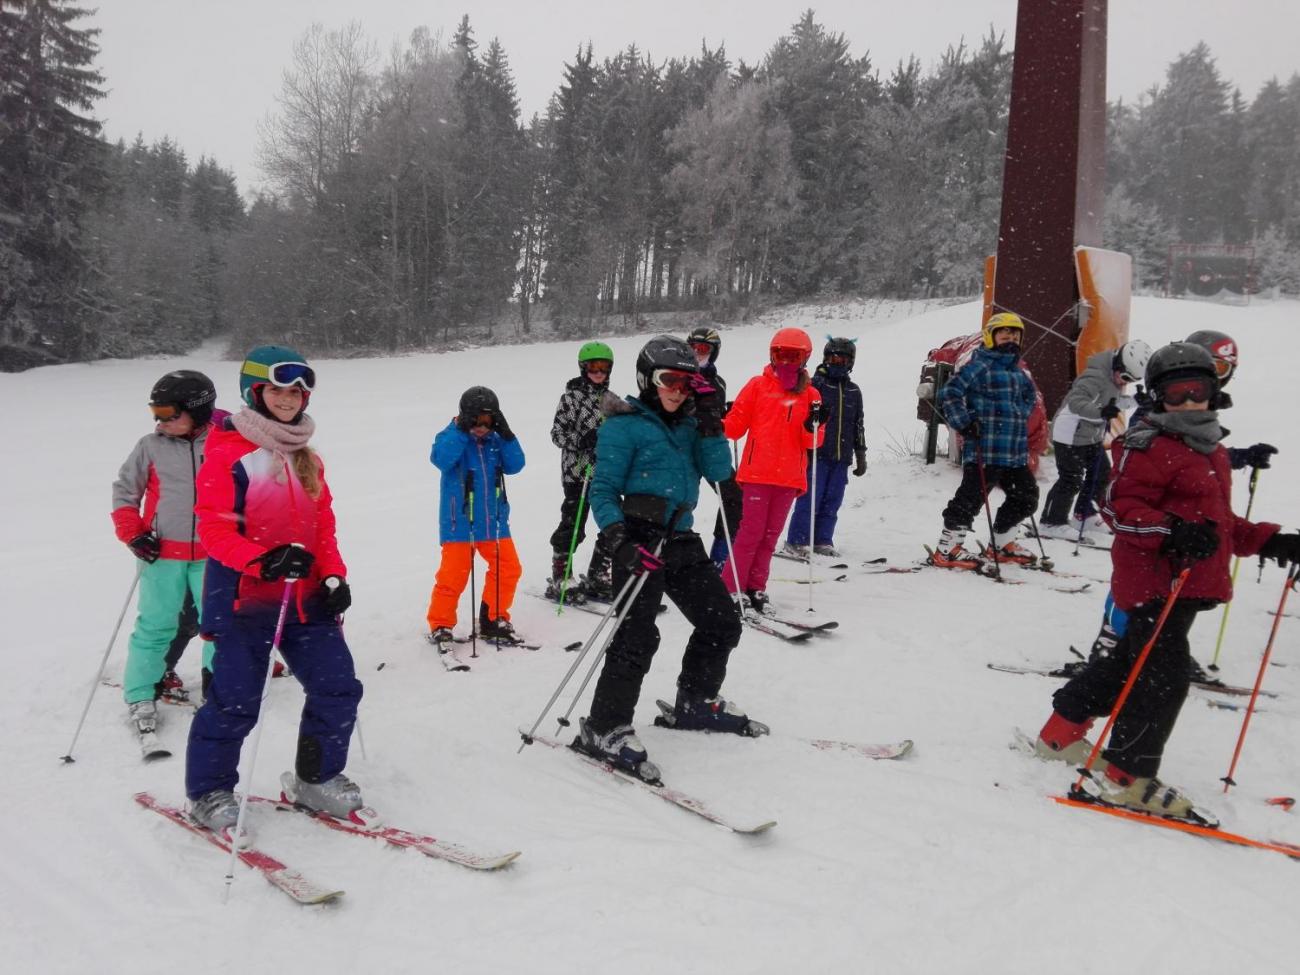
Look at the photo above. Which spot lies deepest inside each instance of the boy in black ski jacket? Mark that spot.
(573, 430)
(846, 440)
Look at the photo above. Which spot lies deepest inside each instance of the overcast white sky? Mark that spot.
(205, 73)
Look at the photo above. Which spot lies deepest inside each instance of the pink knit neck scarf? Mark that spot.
(282, 438)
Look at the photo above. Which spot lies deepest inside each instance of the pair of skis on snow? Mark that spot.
(297, 885)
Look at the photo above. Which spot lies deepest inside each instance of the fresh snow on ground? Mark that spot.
(951, 860)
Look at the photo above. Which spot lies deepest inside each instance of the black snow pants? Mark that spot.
(1077, 468)
(690, 579)
(562, 535)
(1137, 741)
(1016, 482)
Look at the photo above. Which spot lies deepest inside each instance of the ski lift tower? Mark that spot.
(1049, 267)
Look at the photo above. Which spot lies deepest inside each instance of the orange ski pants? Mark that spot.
(453, 574)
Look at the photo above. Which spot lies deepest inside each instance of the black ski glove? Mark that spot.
(587, 442)
(336, 595)
(860, 458)
(1110, 411)
(1192, 540)
(709, 410)
(1283, 547)
(814, 415)
(285, 562)
(1256, 455)
(971, 431)
(500, 425)
(637, 559)
(146, 547)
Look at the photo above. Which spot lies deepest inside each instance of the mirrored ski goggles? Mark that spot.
(1223, 367)
(702, 348)
(162, 412)
(838, 359)
(283, 374)
(1180, 391)
(679, 382)
(788, 357)
(598, 365)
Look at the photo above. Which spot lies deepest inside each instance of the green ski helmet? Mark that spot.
(278, 365)
(595, 352)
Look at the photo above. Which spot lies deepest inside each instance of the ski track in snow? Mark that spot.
(952, 859)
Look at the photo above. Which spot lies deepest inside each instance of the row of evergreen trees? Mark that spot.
(411, 203)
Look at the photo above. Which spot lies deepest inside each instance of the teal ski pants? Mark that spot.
(162, 595)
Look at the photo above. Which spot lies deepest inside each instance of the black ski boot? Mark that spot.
(556, 586)
(620, 748)
(708, 714)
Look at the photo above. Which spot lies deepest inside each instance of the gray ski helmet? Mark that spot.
(478, 399)
(1131, 360)
(663, 352)
(191, 391)
(1177, 360)
(1222, 349)
(845, 347)
(705, 335)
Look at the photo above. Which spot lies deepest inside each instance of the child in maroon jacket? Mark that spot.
(1170, 505)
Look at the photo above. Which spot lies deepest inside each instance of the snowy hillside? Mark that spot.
(951, 860)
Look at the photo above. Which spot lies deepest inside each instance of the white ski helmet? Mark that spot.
(1131, 360)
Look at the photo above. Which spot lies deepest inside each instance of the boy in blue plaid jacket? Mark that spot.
(988, 401)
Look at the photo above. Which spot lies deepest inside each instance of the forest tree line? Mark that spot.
(410, 205)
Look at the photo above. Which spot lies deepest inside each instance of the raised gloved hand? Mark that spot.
(814, 416)
(1110, 411)
(1256, 455)
(971, 431)
(709, 411)
(285, 562)
(336, 595)
(1283, 547)
(860, 461)
(587, 442)
(1192, 540)
(637, 559)
(501, 427)
(145, 547)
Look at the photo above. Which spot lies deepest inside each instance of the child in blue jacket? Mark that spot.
(846, 440)
(474, 452)
(989, 401)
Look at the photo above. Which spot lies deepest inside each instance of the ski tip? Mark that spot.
(754, 830)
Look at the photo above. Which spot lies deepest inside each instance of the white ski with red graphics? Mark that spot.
(865, 750)
(1216, 686)
(277, 874)
(886, 751)
(679, 799)
(366, 822)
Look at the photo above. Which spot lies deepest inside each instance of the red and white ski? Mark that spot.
(279, 875)
(428, 845)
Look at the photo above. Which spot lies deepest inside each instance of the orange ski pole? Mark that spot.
(1291, 575)
(1174, 590)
